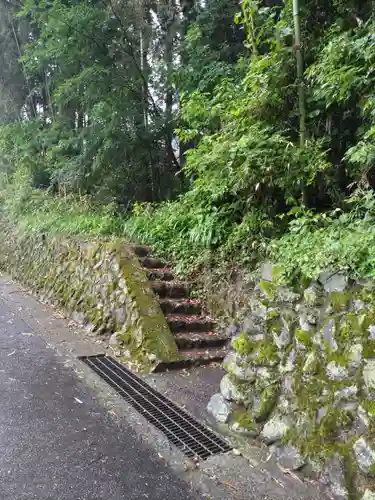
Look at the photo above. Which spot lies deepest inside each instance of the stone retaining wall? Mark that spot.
(301, 378)
(100, 284)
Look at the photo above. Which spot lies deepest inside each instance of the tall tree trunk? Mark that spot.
(144, 43)
(172, 26)
(300, 84)
(189, 14)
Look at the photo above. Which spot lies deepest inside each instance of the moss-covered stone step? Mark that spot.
(140, 250)
(181, 306)
(195, 357)
(189, 322)
(153, 263)
(199, 339)
(162, 274)
(170, 289)
(201, 356)
(194, 333)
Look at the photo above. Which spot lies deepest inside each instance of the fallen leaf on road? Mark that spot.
(230, 485)
(291, 473)
(278, 482)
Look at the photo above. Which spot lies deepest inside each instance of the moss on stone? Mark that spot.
(244, 345)
(272, 315)
(268, 288)
(94, 279)
(289, 319)
(245, 420)
(355, 325)
(268, 401)
(304, 337)
(157, 338)
(366, 294)
(339, 357)
(278, 274)
(369, 348)
(274, 325)
(266, 354)
(340, 301)
(311, 365)
(369, 405)
(321, 440)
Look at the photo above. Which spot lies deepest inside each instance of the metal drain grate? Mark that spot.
(181, 429)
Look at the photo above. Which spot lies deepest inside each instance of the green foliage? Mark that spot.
(179, 231)
(211, 48)
(336, 240)
(106, 85)
(92, 125)
(241, 172)
(37, 211)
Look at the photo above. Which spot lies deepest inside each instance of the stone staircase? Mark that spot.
(197, 337)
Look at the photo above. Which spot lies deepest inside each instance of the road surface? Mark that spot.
(57, 442)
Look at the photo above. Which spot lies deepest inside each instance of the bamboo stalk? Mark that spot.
(300, 82)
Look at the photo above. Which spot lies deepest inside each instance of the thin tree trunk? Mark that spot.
(144, 42)
(252, 34)
(172, 27)
(300, 84)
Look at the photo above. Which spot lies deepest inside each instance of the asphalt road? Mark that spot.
(57, 442)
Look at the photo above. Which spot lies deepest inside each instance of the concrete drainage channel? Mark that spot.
(187, 434)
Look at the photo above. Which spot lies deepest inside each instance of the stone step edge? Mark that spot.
(193, 357)
(209, 339)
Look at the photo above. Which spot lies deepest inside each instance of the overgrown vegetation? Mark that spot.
(340, 240)
(92, 94)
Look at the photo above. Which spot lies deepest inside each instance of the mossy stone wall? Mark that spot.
(99, 283)
(301, 378)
